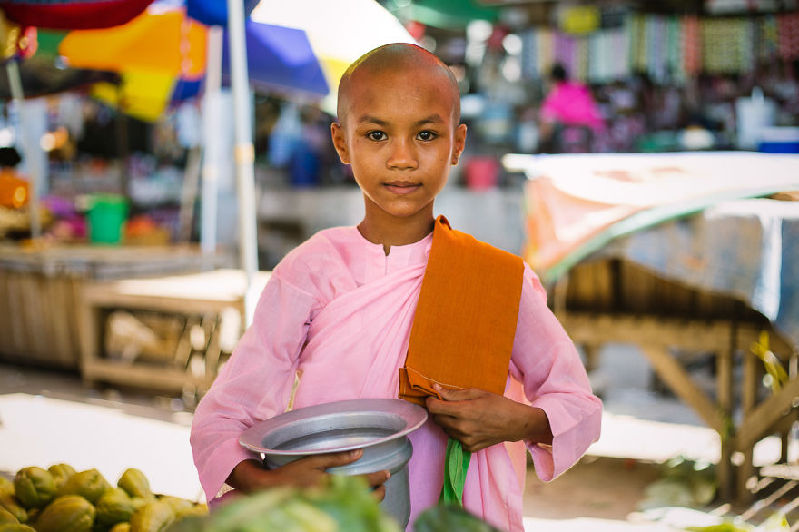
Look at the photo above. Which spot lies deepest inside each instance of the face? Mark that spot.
(400, 136)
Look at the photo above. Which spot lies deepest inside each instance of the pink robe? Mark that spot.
(340, 311)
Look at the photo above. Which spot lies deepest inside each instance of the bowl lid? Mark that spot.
(411, 415)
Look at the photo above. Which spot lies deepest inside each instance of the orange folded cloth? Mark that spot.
(465, 323)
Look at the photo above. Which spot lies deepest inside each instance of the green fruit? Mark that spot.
(138, 502)
(61, 472)
(10, 504)
(11, 527)
(152, 517)
(135, 483)
(70, 513)
(6, 486)
(89, 484)
(196, 510)
(176, 503)
(34, 487)
(33, 513)
(7, 518)
(113, 507)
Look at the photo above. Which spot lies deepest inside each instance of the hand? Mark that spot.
(480, 419)
(249, 475)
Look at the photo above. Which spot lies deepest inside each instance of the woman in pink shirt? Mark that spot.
(569, 103)
(337, 313)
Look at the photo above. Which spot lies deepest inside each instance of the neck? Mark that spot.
(380, 227)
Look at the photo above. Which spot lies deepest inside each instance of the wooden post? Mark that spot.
(747, 469)
(725, 395)
(681, 383)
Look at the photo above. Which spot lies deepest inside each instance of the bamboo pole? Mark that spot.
(34, 172)
(243, 153)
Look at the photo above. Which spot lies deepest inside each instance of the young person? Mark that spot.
(339, 310)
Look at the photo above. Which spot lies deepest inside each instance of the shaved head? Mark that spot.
(393, 58)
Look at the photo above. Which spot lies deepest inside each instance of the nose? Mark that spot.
(402, 154)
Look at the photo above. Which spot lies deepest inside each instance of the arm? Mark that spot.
(546, 362)
(254, 384)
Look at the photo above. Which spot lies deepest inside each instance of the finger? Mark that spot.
(448, 426)
(458, 394)
(442, 407)
(378, 478)
(379, 493)
(325, 461)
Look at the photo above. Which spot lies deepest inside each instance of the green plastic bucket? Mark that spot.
(107, 215)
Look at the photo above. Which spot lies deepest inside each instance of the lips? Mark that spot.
(402, 187)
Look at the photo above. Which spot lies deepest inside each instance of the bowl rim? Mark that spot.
(413, 415)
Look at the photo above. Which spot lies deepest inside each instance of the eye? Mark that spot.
(376, 136)
(426, 135)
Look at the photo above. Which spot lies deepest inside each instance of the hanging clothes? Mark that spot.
(692, 57)
(566, 52)
(529, 55)
(788, 30)
(674, 43)
(768, 38)
(581, 58)
(545, 48)
(723, 45)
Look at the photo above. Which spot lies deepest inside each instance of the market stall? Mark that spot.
(655, 251)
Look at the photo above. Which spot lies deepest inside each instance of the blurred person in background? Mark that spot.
(569, 115)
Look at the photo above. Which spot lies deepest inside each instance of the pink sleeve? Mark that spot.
(254, 384)
(546, 362)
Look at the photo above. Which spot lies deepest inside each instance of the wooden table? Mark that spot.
(203, 297)
(606, 301)
(40, 287)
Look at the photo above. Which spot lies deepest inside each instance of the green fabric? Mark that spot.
(456, 465)
(49, 41)
(449, 14)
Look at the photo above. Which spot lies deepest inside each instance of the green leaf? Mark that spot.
(456, 465)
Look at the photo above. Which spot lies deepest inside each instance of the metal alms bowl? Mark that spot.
(378, 426)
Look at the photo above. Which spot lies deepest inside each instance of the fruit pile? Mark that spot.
(60, 499)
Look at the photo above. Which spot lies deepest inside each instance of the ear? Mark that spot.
(340, 142)
(460, 143)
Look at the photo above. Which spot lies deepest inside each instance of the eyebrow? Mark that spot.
(434, 118)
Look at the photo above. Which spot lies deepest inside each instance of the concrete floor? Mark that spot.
(48, 417)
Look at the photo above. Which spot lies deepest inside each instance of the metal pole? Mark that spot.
(243, 153)
(35, 173)
(211, 159)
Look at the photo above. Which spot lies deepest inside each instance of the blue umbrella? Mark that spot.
(214, 12)
(279, 58)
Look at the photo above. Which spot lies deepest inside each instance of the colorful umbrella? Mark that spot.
(214, 12)
(279, 58)
(72, 14)
(162, 50)
(157, 40)
(339, 32)
(150, 52)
